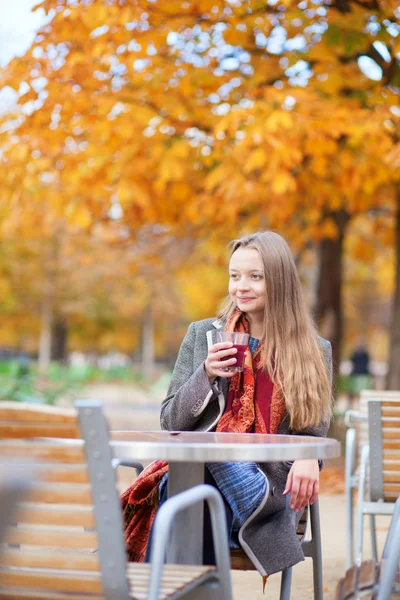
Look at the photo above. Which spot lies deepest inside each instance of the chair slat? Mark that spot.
(240, 561)
(57, 472)
(339, 589)
(53, 538)
(350, 581)
(367, 574)
(392, 488)
(391, 477)
(391, 455)
(14, 429)
(392, 411)
(392, 465)
(15, 411)
(140, 568)
(391, 423)
(391, 444)
(61, 494)
(7, 593)
(50, 559)
(39, 514)
(61, 474)
(171, 582)
(390, 433)
(45, 452)
(46, 579)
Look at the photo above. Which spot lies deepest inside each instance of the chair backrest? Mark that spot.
(67, 537)
(365, 396)
(384, 440)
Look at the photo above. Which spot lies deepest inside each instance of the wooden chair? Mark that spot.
(311, 547)
(372, 580)
(356, 438)
(67, 538)
(381, 459)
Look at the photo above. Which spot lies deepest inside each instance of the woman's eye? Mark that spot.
(233, 276)
(257, 276)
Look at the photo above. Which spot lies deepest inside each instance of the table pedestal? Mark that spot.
(186, 544)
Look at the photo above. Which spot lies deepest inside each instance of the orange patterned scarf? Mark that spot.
(255, 404)
(139, 505)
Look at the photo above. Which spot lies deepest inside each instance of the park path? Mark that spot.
(132, 407)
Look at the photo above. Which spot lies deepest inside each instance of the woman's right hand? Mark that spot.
(219, 357)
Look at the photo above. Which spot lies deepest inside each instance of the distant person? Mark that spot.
(285, 388)
(360, 375)
(360, 360)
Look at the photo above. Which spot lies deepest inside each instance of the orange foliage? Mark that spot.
(192, 121)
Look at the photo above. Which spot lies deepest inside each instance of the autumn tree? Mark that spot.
(192, 115)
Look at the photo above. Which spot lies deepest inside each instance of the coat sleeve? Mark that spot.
(190, 390)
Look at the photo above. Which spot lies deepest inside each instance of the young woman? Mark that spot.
(285, 388)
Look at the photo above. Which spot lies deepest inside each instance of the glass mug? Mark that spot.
(239, 340)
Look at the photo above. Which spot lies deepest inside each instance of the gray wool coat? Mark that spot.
(192, 404)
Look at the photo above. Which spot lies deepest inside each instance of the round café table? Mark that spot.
(187, 452)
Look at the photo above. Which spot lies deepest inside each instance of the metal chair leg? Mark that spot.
(391, 555)
(349, 487)
(391, 535)
(360, 503)
(374, 544)
(317, 550)
(286, 583)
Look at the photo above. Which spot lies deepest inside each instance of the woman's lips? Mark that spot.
(245, 299)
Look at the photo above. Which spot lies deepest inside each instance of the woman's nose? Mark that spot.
(243, 284)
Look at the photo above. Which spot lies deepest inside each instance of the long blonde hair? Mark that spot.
(291, 353)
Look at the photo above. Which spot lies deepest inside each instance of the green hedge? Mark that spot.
(21, 382)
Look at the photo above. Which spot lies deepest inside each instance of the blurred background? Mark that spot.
(137, 137)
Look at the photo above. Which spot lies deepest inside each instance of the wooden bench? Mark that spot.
(66, 541)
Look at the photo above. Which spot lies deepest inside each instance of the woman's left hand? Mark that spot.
(302, 483)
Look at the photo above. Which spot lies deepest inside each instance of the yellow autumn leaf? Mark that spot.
(256, 160)
(171, 170)
(131, 192)
(278, 119)
(283, 182)
(79, 215)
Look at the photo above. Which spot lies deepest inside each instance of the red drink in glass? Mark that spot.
(239, 341)
(241, 350)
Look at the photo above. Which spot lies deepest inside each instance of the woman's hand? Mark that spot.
(219, 357)
(303, 483)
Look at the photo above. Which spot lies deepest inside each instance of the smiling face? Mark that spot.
(247, 281)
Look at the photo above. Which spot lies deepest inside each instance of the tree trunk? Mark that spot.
(393, 379)
(148, 343)
(328, 310)
(59, 340)
(46, 330)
